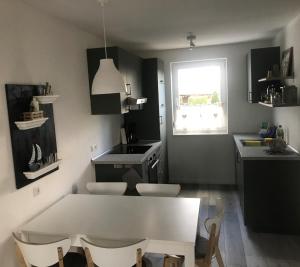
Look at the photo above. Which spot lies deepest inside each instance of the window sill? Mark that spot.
(182, 133)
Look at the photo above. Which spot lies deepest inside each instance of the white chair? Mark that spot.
(126, 256)
(41, 255)
(158, 190)
(206, 248)
(100, 188)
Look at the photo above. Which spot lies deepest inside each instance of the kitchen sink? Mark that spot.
(254, 142)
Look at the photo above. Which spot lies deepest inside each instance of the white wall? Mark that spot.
(210, 159)
(289, 117)
(35, 48)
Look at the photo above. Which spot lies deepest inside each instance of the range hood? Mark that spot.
(136, 101)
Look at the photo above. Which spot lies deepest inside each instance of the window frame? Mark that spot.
(174, 66)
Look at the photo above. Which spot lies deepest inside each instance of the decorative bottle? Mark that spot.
(34, 105)
(280, 132)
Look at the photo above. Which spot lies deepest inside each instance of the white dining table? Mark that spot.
(170, 224)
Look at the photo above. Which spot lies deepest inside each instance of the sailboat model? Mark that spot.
(36, 158)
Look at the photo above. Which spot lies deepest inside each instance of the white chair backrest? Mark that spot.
(117, 256)
(42, 255)
(158, 190)
(100, 188)
(217, 219)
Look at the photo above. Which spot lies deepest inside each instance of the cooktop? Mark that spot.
(129, 149)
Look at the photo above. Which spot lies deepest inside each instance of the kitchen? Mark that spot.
(201, 162)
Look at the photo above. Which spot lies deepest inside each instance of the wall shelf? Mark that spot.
(42, 171)
(26, 125)
(46, 99)
(277, 105)
(275, 79)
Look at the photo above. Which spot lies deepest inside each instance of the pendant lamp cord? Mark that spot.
(104, 29)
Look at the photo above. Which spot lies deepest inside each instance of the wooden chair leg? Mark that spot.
(139, 258)
(219, 257)
(60, 257)
(20, 257)
(88, 256)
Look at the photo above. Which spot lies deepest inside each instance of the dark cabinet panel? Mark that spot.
(130, 67)
(259, 62)
(268, 194)
(150, 123)
(239, 178)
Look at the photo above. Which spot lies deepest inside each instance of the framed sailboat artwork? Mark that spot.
(34, 149)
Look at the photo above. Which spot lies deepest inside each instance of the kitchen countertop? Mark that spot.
(259, 152)
(107, 158)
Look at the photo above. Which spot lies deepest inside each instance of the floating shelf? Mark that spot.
(46, 99)
(40, 172)
(278, 105)
(25, 125)
(274, 79)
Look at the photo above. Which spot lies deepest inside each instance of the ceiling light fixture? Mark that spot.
(191, 38)
(108, 80)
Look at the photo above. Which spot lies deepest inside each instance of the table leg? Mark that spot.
(189, 257)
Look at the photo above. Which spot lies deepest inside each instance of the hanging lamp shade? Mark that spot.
(108, 80)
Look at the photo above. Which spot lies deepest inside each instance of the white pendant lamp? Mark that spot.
(108, 80)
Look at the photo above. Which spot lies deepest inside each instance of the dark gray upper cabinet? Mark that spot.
(130, 67)
(259, 62)
(150, 122)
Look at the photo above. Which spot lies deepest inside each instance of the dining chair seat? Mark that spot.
(109, 243)
(54, 254)
(106, 188)
(125, 256)
(158, 190)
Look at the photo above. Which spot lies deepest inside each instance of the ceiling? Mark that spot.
(164, 24)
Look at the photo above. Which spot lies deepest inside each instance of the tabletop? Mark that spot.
(120, 217)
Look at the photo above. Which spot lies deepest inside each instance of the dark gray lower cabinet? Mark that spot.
(269, 194)
(111, 173)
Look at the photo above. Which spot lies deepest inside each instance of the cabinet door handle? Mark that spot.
(162, 105)
(238, 157)
(161, 119)
(154, 164)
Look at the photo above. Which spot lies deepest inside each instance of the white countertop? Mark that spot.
(120, 218)
(107, 158)
(259, 152)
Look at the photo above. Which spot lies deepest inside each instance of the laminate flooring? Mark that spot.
(240, 247)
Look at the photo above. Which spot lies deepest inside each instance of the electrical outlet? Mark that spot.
(93, 147)
(36, 191)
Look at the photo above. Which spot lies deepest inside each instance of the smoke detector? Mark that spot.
(191, 38)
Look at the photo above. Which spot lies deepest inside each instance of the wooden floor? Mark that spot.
(241, 247)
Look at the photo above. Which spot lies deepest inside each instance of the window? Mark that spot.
(199, 97)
